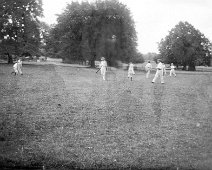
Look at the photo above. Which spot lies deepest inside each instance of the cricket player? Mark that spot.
(131, 70)
(103, 67)
(19, 66)
(172, 71)
(148, 68)
(159, 72)
(15, 68)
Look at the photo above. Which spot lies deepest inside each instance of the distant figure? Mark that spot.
(131, 70)
(103, 67)
(19, 63)
(15, 68)
(159, 72)
(148, 68)
(172, 71)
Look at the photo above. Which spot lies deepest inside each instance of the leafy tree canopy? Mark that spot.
(88, 31)
(185, 45)
(19, 26)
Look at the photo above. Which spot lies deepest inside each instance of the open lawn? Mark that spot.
(56, 117)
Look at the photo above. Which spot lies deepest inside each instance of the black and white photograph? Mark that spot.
(106, 84)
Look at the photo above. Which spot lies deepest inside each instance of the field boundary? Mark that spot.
(199, 69)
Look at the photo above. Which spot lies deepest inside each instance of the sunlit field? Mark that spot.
(55, 117)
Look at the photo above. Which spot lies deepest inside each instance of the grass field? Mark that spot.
(56, 117)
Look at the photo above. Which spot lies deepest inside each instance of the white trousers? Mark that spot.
(15, 70)
(157, 74)
(147, 73)
(103, 72)
(19, 70)
(172, 71)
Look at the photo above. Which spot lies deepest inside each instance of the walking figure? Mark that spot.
(159, 72)
(172, 71)
(103, 67)
(20, 66)
(148, 68)
(15, 68)
(131, 70)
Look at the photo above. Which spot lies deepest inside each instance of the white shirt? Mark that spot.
(19, 63)
(131, 66)
(148, 66)
(172, 67)
(160, 66)
(103, 63)
(15, 65)
(131, 69)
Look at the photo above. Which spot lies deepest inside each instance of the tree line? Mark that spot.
(87, 31)
(185, 46)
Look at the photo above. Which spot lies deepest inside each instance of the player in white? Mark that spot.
(172, 71)
(103, 67)
(164, 69)
(131, 70)
(15, 68)
(159, 72)
(19, 66)
(148, 68)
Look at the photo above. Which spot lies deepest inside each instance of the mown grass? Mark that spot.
(64, 117)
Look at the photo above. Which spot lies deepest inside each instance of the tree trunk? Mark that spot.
(92, 61)
(184, 67)
(9, 59)
(191, 67)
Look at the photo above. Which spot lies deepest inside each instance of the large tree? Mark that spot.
(185, 46)
(87, 31)
(19, 25)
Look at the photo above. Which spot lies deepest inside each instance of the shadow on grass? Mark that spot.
(50, 163)
(62, 165)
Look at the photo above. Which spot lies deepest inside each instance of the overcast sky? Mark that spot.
(153, 18)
